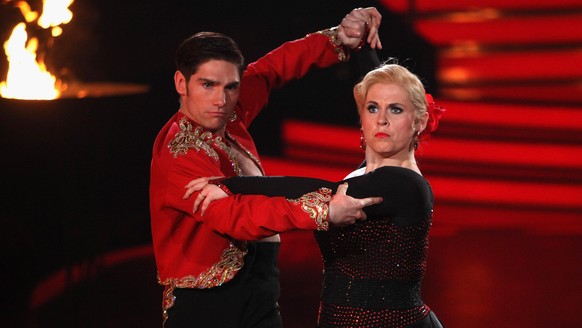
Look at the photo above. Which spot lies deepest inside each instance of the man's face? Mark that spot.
(211, 94)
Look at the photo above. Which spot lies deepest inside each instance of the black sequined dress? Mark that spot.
(373, 270)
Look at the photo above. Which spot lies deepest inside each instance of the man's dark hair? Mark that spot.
(204, 46)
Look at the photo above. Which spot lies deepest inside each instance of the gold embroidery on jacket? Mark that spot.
(316, 204)
(167, 302)
(231, 261)
(231, 158)
(186, 139)
(202, 139)
(341, 51)
(252, 157)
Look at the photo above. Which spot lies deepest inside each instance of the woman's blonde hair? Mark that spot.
(393, 74)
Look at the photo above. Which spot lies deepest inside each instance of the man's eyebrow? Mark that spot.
(207, 80)
(233, 84)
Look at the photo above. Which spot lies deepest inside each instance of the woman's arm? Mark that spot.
(407, 195)
(289, 187)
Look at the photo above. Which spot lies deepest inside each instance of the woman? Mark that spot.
(373, 269)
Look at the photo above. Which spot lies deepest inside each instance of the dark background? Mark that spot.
(75, 172)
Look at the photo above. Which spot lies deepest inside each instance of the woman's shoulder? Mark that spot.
(396, 172)
(390, 179)
(394, 180)
(407, 195)
(356, 173)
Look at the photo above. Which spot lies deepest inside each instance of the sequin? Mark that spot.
(373, 272)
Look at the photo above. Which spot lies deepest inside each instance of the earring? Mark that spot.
(232, 117)
(415, 140)
(362, 141)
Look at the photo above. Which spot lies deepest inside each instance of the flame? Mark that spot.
(55, 13)
(28, 77)
(27, 13)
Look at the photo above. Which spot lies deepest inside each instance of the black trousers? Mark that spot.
(247, 301)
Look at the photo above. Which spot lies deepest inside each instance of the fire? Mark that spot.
(27, 76)
(55, 13)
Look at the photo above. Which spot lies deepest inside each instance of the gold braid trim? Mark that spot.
(249, 154)
(226, 148)
(343, 53)
(167, 302)
(200, 139)
(197, 139)
(317, 205)
(231, 260)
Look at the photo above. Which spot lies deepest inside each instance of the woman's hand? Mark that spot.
(197, 184)
(208, 193)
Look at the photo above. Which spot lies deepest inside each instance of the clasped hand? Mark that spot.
(343, 209)
(353, 28)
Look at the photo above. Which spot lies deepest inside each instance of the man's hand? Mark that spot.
(345, 210)
(354, 25)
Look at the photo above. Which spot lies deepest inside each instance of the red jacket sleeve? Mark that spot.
(242, 218)
(251, 217)
(292, 60)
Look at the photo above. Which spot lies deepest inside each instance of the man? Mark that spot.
(220, 269)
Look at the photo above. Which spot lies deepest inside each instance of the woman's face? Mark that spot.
(387, 119)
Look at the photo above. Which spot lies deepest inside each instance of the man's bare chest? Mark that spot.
(246, 165)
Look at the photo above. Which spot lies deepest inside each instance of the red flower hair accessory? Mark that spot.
(435, 113)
